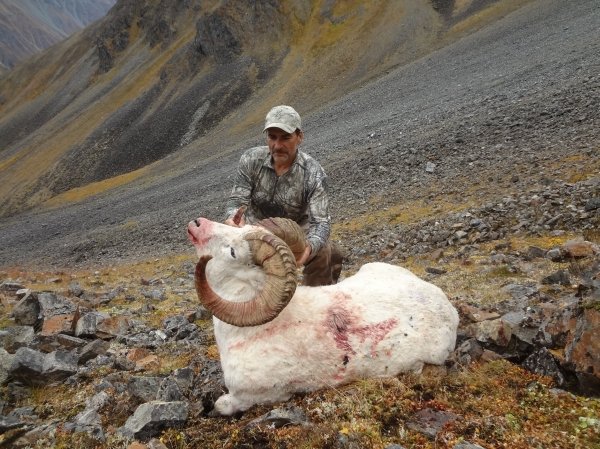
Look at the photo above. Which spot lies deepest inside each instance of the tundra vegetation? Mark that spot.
(500, 404)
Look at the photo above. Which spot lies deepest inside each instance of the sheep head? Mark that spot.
(236, 248)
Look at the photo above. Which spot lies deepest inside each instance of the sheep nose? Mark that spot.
(197, 222)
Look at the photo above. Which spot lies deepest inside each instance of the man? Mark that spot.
(279, 180)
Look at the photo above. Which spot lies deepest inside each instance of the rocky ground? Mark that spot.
(477, 167)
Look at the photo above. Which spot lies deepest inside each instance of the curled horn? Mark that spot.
(279, 265)
(288, 231)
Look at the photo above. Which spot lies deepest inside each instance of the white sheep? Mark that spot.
(276, 339)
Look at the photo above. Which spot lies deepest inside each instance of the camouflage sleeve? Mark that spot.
(242, 186)
(320, 221)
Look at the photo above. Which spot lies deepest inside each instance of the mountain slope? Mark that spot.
(94, 108)
(29, 26)
(501, 114)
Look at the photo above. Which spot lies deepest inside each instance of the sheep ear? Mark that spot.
(239, 214)
(279, 265)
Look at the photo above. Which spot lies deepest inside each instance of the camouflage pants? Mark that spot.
(325, 267)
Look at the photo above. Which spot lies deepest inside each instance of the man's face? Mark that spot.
(283, 145)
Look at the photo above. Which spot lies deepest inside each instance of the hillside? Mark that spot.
(93, 108)
(30, 26)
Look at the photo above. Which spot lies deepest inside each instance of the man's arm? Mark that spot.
(241, 191)
(320, 222)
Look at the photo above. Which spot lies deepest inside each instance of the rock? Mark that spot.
(534, 252)
(11, 286)
(579, 248)
(519, 328)
(583, 350)
(559, 277)
(169, 391)
(280, 417)
(27, 311)
(556, 329)
(88, 421)
(151, 418)
(429, 421)
(492, 331)
(467, 445)
(16, 337)
(75, 289)
(476, 314)
(60, 324)
(555, 255)
(92, 350)
(10, 422)
(34, 367)
(467, 352)
(184, 378)
(7, 365)
(542, 362)
(144, 388)
(112, 327)
(592, 204)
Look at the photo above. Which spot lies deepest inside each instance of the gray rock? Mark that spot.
(518, 327)
(16, 337)
(559, 277)
(75, 289)
(92, 350)
(10, 422)
(51, 304)
(144, 388)
(7, 365)
(429, 421)
(34, 367)
(151, 418)
(87, 324)
(88, 421)
(280, 417)
(169, 391)
(27, 311)
(542, 362)
(11, 286)
(184, 378)
(467, 445)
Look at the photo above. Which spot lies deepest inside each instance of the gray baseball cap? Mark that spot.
(283, 117)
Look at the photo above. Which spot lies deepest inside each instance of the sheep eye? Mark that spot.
(232, 252)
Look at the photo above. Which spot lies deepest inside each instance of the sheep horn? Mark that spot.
(288, 231)
(279, 265)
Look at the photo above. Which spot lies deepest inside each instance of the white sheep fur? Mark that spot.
(381, 321)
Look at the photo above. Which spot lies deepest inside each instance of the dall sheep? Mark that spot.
(276, 338)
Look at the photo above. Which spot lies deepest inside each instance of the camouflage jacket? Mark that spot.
(299, 194)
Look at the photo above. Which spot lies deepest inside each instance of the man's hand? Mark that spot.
(304, 257)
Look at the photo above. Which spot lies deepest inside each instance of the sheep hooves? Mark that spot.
(279, 265)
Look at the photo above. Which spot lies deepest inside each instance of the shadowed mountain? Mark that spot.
(153, 76)
(29, 26)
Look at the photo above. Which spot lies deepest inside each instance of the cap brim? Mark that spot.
(283, 126)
